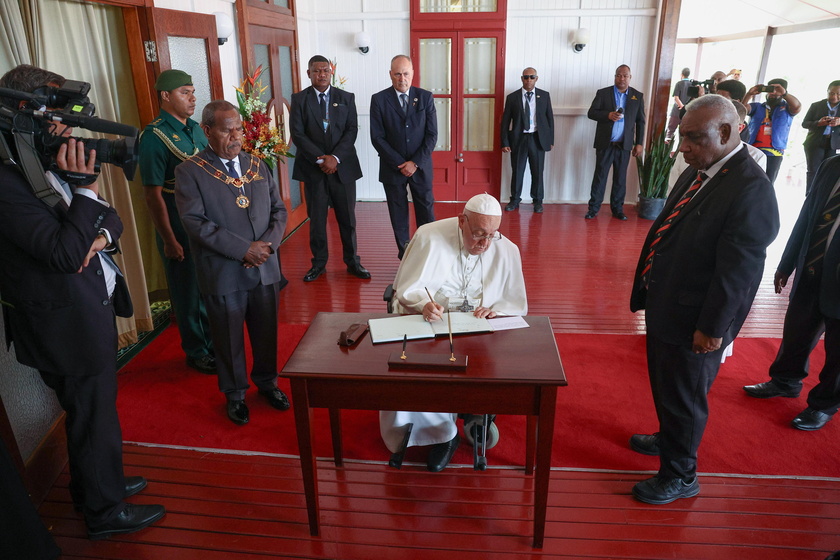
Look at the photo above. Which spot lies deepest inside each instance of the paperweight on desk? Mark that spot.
(416, 360)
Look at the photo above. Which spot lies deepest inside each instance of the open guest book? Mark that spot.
(393, 329)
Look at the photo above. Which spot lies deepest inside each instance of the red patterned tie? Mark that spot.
(666, 225)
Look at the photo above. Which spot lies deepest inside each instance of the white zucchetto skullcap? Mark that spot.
(484, 204)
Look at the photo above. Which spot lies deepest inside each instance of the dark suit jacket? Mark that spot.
(708, 267)
(220, 232)
(59, 320)
(634, 117)
(399, 137)
(797, 246)
(815, 112)
(513, 120)
(311, 140)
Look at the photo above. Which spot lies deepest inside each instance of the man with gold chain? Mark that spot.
(234, 217)
(166, 142)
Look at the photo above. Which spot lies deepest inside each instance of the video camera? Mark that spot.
(33, 145)
(694, 88)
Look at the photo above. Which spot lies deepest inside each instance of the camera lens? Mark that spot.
(122, 152)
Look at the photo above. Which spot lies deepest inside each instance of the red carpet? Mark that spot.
(608, 399)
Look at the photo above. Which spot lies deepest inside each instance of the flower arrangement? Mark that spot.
(262, 138)
(336, 80)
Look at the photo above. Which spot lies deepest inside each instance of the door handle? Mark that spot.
(460, 158)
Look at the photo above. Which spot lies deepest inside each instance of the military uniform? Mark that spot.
(164, 144)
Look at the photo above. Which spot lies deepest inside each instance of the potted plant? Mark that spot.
(654, 172)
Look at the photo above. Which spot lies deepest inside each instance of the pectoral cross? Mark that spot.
(465, 306)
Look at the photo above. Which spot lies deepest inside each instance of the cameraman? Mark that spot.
(770, 121)
(64, 291)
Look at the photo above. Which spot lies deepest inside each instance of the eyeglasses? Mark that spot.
(492, 237)
(529, 76)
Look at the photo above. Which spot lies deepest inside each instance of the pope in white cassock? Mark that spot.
(466, 265)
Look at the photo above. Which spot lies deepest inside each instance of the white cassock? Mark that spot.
(436, 259)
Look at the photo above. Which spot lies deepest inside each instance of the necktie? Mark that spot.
(232, 169)
(404, 102)
(666, 225)
(819, 237)
(528, 95)
(323, 105)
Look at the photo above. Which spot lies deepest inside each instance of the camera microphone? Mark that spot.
(93, 124)
(620, 110)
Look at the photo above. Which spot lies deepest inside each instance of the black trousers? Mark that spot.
(804, 324)
(320, 195)
(617, 158)
(680, 381)
(424, 211)
(773, 165)
(229, 314)
(94, 442)
(527, 151)
(814, 156)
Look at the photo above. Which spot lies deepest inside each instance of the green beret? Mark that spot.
(172, 79)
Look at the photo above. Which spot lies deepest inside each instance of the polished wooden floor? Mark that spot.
(235, 506)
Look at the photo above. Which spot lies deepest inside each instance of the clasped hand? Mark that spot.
(257, 254)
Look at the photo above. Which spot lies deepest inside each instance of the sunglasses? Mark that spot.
(529, 77)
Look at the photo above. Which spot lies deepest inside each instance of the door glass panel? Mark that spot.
(286, 84)
(262, 58)
(437, 6)
(190, 55)
(436, 65)
(478, 124)
(294, 185)
(443, 107)
(480, 66)
(281, 3)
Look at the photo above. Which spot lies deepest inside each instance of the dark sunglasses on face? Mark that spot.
(529, 77)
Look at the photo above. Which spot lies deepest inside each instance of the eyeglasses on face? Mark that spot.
(529, 76)
(492, 237)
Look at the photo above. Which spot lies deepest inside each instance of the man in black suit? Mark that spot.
(232, 213)
(63, 292)
(813, 251)
(403, 130)
(698, 273)
(324, 125)
(527, 134)
(620, 113)
(823, 123)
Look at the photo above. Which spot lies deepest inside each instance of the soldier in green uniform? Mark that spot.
(167, 141)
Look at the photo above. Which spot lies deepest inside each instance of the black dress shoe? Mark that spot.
(237, 411)
(664, 490)
(810, 420)
(276, 398)
(133, 485)
(538, 208)
(770, 389)
(590, 215)
(619, 216)
(441, 453)
(133, 518)
(645, 444)
(512, 206)
(359, 272)
(205, 364)
(314, 273)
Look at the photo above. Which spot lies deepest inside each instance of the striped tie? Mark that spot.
(666, 225)
(819, 237)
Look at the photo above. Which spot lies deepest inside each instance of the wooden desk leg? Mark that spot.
(530, 444)
(335, 429)
(545, 435)
(303, 421)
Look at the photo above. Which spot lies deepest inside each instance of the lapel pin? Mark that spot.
(335, 104)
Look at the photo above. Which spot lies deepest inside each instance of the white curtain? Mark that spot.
(14, 47)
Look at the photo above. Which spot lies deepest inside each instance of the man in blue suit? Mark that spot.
(403, 129)
(813, 251)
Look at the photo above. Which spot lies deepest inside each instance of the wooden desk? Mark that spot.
(509, 372)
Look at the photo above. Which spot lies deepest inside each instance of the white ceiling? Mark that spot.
(708, 18)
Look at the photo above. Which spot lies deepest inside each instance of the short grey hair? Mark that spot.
(405, 56)
(723, 108)
(208, 114)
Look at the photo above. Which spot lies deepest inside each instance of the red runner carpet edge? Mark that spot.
(161, 401)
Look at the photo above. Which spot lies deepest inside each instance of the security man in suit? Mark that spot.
(823, 123)
(813, 251)
(62, 292)
(166, 142)
(324, 126)
(232, 212)
(403, 130)
(620, 113)
(527, 134)
(697, 275)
